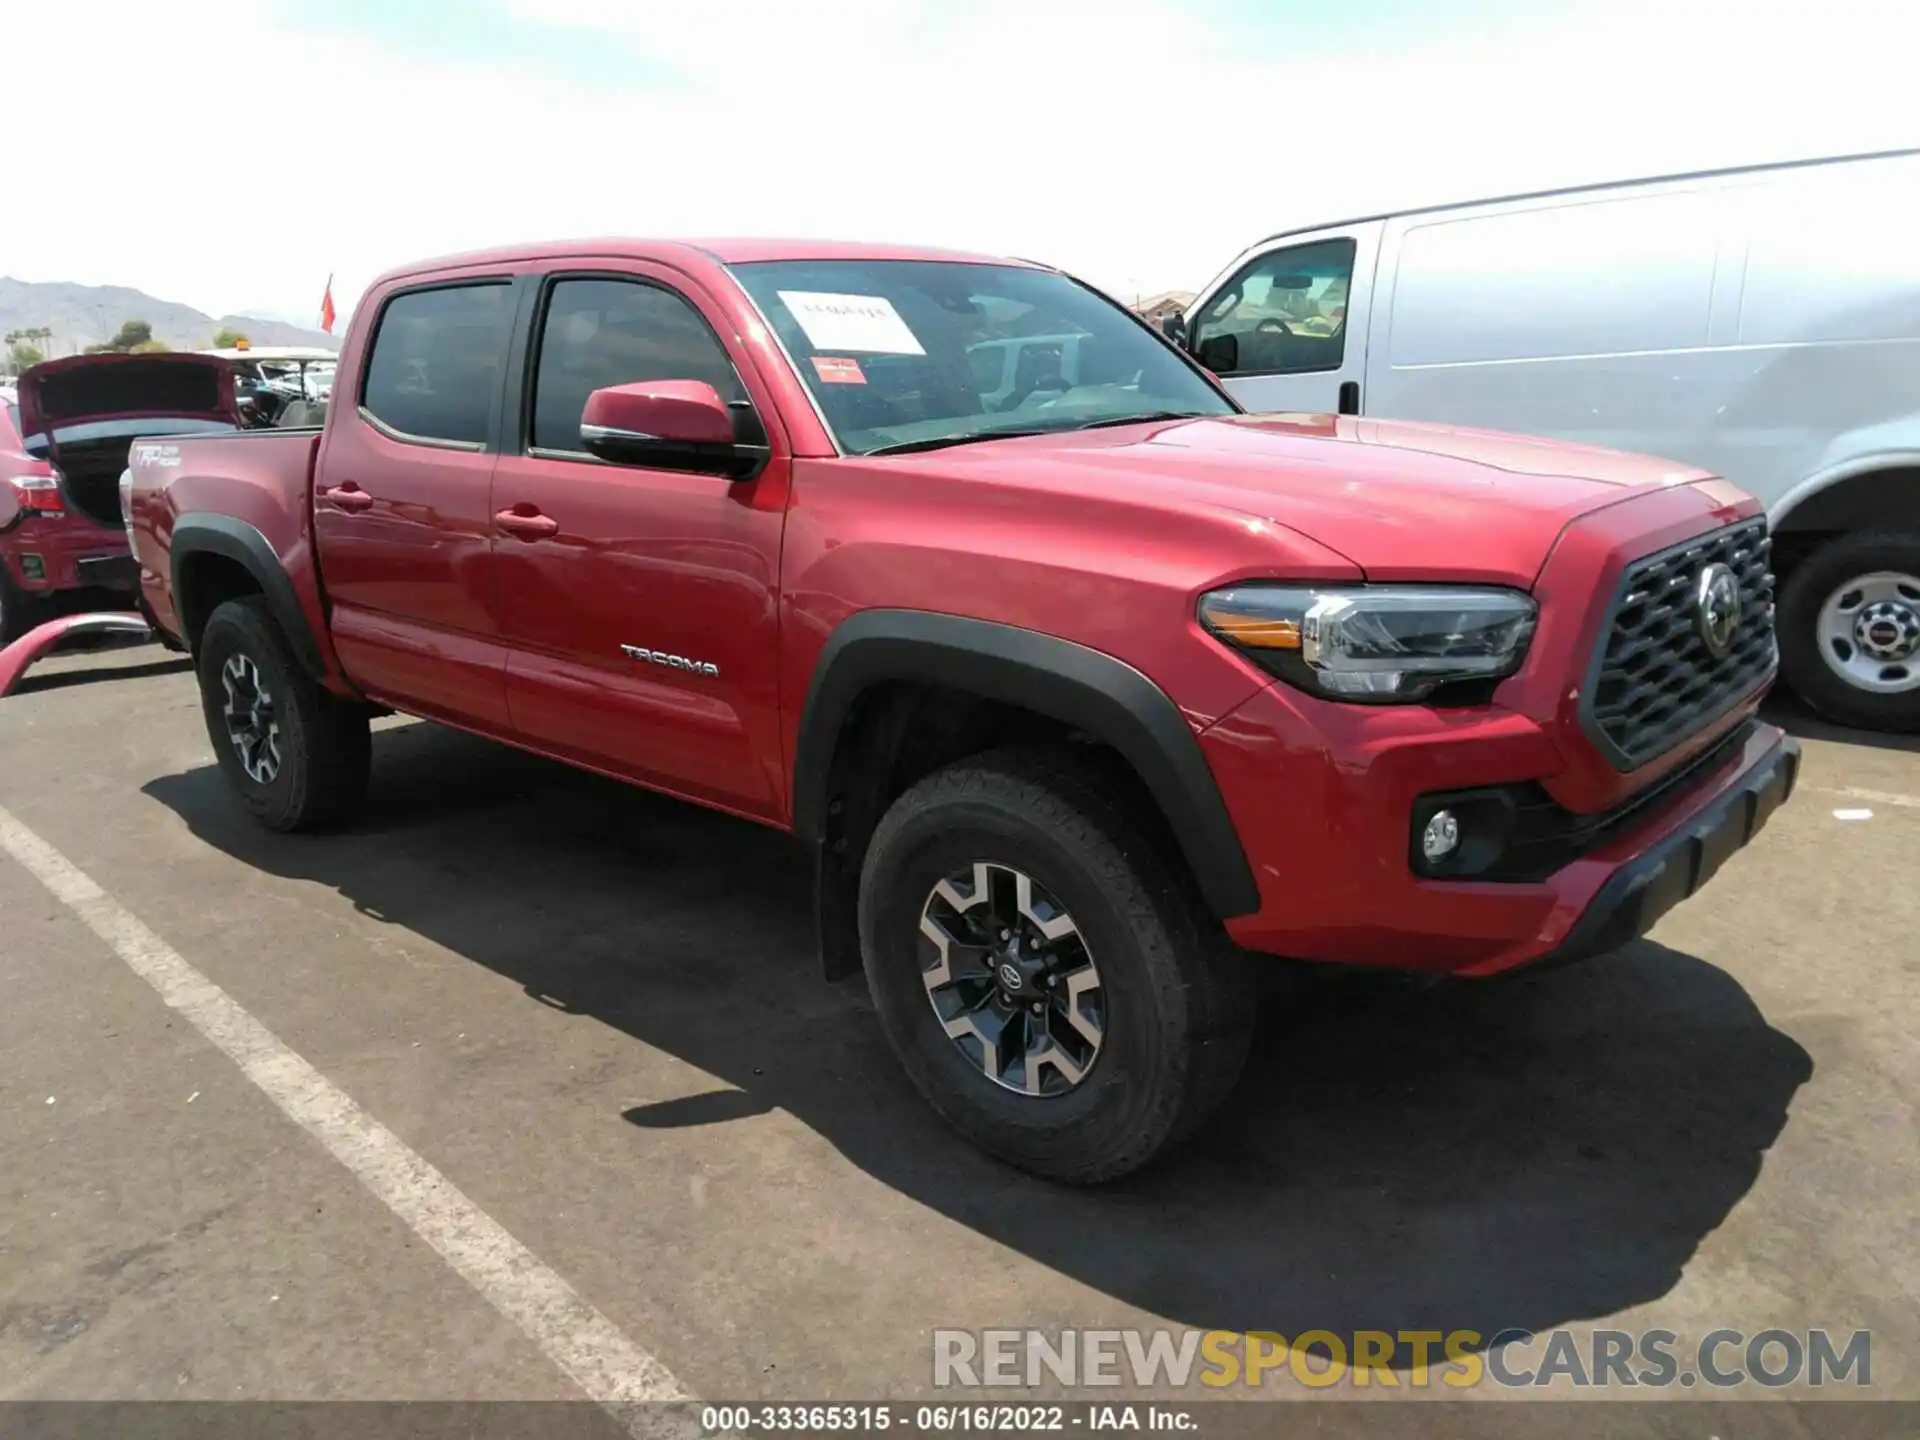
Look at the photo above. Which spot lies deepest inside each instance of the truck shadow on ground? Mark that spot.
(1399, 1156)
(139, 667)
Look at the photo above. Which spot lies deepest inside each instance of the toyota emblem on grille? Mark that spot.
(1717, 605)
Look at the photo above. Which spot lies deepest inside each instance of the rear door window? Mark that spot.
(434, 373)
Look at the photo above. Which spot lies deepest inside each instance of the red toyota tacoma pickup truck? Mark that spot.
(1080, 683)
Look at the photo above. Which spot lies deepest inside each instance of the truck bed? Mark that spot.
(255, 486)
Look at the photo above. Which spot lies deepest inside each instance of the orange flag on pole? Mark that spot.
(326, 308)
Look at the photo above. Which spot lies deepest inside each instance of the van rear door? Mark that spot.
(1286, 327)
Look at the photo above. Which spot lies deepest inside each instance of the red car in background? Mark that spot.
(64, 435)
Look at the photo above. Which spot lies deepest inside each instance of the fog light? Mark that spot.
(1441, 837)
(32, 568)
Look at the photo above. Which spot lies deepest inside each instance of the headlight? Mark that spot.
(1378, 644)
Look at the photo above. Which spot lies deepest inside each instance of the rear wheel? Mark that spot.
(297, 755)
(1850, 630)
(1044, 973)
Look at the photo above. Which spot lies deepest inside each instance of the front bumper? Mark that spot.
(1324, 815)
(1659, 878)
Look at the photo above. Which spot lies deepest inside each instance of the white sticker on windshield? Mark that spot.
(851, 322)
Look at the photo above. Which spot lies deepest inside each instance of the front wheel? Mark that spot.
(296, 754)
(1043, 972)
(1850, 630)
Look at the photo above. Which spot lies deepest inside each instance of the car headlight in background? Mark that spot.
(1375, 644)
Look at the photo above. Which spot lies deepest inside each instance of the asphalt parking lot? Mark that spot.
(597, 1014)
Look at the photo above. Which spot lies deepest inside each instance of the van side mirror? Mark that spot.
(1174, 327)
(1219, 353)
(668, 425)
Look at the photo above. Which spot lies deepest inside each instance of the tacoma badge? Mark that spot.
(672, 662)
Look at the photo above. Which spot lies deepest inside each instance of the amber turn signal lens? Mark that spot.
(1252, 629)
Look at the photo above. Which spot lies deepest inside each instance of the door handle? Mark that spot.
(349, 497)
(526, 522)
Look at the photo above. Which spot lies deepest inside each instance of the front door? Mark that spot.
(639, 603)
(1288, 328)
(401, 504)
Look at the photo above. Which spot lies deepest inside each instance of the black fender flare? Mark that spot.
(1080, 687)
(200, 533)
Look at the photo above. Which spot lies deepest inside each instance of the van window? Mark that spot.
(1283, 314)
(1579, 278)
(435, 366)
(614, 332)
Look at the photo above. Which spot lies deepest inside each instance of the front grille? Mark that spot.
(1655, 681)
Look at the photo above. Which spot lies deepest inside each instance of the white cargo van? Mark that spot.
(1761, 323)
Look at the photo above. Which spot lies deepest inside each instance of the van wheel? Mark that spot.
(1048, 979)
(297, 755)
(1850, 630)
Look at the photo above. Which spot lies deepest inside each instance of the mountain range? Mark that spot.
(83, 315)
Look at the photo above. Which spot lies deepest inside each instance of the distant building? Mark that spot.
(1156, 308)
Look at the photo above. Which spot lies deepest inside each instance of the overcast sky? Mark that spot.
(232, 155)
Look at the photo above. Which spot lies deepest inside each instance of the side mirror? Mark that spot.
(1174, 327)
(1219, 353)
(13, 505)
(667, 425)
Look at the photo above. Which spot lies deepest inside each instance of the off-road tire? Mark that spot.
(324, 743)
(1806, 591)
(1179, 995)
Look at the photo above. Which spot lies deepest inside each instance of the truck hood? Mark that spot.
(1400, 499)
(88, 395)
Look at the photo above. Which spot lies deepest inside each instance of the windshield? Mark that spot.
(915, 353)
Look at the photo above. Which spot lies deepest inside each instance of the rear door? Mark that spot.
(641, 627)
(1286, 329)
(402, 510)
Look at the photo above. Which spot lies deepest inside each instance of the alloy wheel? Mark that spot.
(1011, 980)
(252, 726)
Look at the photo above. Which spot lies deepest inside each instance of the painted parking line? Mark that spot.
(575, 1336)
(1878, 797)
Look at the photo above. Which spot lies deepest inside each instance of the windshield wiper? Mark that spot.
(1143, 419)
(941, 442)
